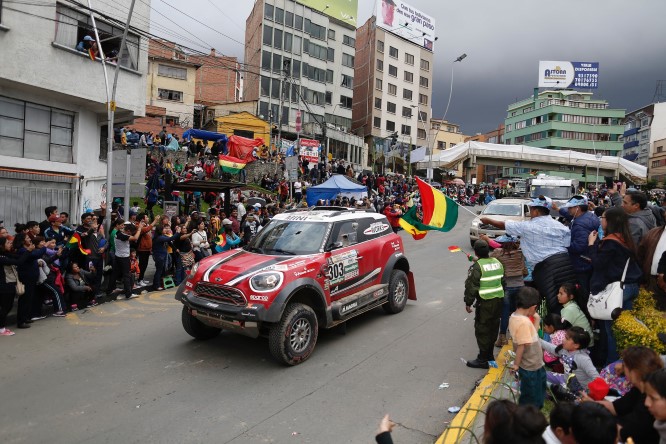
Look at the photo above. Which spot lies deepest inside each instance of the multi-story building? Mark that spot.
(53, 104)
(642, 128)
(489, 173)
(657, 170)
(392, 89)
(300, 58)
(565, 120)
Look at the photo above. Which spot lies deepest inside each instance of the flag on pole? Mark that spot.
(438, 213)
(231, 164)
(75, 243)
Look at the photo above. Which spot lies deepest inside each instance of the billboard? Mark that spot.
(407, 22)
(583, 75)
(344, 10)
(310, 150)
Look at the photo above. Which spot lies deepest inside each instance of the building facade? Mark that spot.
(392, 90)
(565, 120)
(657, 169)
(642, 128)
(53, 120)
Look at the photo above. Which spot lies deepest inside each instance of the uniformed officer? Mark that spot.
(485, 286)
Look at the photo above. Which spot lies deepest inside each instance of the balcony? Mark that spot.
(631, 144)
(630, 132)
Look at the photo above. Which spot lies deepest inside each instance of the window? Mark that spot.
(298, 22)
(509, 127)
(265, 86)
(167, 94)
(171, 120)
(73, 25)
(277, 39)
(347, 81)
(520, 139)
(268, 11)
(441, 145)
(377, 122)
(314, 73)
(35, 132)
(314, 97)
(317, 51)
(331, 34)
(294, 94)
(266, 60)
(347, 60)
(297, 45)
(316, 31)
(268, 35)
(289, 19)
(393, 71)
(424, 82)
(390, 126)
(660, 149)
(279, 15)
(329, 76)
(345, 102)
(275, 89)
(378, 84)
(423, 116)
(409, 77)
(406, 130)
(406, 111)
(349, 41)
(390, 107)
(288, 40)
(380, 46)
(421, 133)
(425, 65)
(329, 97)
(655, 163)
(330, 55)
(423, 99)
(520, 125)
(378, 103)
(296, 69)
(393, 52)
(392, 89)
(409, 59)
(277, 63)
(172, 71)
(406, 94)
(380, 65)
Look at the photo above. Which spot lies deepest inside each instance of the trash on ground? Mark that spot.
(464, 361)
(492, 364)
(443, 385)
(454, 409)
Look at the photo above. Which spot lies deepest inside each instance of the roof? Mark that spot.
(328, 214)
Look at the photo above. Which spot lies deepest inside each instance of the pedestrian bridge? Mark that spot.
(521, 156)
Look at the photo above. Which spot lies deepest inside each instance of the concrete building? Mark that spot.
(489, 173)
(657, 169)
(304, 61)
(392, 90)
(564, 119)
(642, 128)
(53, 113)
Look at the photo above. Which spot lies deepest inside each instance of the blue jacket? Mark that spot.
(581, 227)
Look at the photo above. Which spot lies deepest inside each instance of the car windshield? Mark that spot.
(500, 209)
(554, 192)
(290, 238)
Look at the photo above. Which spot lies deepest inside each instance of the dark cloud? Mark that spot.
(504, 42)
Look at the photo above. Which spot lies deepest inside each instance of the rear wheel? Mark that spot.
(398, 292)
(196, 328)
(293, 339)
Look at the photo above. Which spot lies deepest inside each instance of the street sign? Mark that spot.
(291, 165)
(171, 208)
(137, 172)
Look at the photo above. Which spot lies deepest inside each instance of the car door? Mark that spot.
(344, 261)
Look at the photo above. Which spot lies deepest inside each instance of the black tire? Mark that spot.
(293, 339)
(398, 292)
(196, 328)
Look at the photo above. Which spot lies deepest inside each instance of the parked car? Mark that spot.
(500, 209)
(305, 270)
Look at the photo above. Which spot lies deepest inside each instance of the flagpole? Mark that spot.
(466, 209)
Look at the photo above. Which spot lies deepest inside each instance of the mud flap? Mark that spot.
(412, 286)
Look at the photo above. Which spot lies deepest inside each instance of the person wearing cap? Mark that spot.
(544, 242)
(232, 241)
(85, 44)
(125, 232)
(484, 288)
(581, 223)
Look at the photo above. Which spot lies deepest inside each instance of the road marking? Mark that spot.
(74, 319)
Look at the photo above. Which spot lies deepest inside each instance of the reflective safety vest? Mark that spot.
(491, 278)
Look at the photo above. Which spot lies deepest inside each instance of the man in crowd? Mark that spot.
(641, 219)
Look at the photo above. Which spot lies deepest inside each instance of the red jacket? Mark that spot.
(393, 216)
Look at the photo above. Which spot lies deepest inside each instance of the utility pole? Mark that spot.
(285, 71)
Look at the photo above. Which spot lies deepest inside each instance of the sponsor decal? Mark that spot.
(189, 284)
(218, 279)
(395, 245)
(301, 273)
(295, 217)
(348, 255)
(211, 305)
(326, 284)
(256, 297)
(375, 228)
(297, 264)
(346, 308)
(378, 293)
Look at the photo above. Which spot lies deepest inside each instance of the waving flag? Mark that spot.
(231, 164)
(75, 242)
(438, 213)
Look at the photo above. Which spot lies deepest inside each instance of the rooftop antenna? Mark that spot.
(659, 92)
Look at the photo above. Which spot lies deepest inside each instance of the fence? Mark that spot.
(22, 204)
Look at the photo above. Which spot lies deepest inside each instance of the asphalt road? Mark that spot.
(127, 371)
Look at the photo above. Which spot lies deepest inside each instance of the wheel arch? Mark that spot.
(398, 261)
(305, 291)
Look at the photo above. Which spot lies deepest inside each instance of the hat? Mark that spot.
(226, 222)
(506, 238)
(576, 201)
(127, 223)
(598, 389)
(541, 201)
(481, 248)
(257, 205)
(88, 39)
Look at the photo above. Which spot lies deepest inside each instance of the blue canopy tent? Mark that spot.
(204, 135)
(337, 185)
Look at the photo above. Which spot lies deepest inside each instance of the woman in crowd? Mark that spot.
(200, 243)
(28, 273)
(8, 277)
(609, 258)
(80, 285)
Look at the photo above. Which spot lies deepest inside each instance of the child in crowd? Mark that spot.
(555, 333)
(655, 400)
(559, 430)
(529, 355)
(574, 356)
(571, 312)
(134, 268)
(593, 424)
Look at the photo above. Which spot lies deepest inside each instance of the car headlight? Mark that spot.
(475, 223)
(269, 281)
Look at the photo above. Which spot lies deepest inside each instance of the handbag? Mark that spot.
(20, 288)
(601, 305)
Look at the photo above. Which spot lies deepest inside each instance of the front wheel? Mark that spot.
(398, 292)
(293, 339)
(196, 328)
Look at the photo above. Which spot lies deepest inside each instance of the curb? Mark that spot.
(464, 420)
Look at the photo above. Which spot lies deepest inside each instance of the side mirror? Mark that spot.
(334, 246)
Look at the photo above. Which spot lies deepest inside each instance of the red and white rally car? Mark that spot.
(306, 269)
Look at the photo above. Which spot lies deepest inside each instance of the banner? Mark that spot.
(345, 10)
(407, 22)
(310, 150)
(557, 74)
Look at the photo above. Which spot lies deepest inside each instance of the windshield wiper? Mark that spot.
(251, 248)
(281, 251)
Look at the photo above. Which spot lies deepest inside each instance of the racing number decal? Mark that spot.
(336, 271)
(343, 267)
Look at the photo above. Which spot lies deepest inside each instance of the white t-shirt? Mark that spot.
(661, 247)
(241, 210)
(297, 187)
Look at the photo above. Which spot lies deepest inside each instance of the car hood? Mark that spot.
(502, 218)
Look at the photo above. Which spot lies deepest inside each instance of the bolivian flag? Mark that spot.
(75, 242)
(439, 213)
(231, 165)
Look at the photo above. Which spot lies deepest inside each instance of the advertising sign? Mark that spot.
(345, 10)
(407, 22)
(170, 208)
(137, 177)
(310, 150)
(554, 74)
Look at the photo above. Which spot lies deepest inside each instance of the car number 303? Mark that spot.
(336, 271)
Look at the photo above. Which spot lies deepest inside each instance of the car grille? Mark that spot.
(488, 227)
(220, 293)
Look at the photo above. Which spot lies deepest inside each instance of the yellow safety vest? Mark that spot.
(492, 272)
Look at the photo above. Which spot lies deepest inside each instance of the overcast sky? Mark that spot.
(503, 40)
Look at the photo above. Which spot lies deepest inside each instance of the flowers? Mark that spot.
(641, 325)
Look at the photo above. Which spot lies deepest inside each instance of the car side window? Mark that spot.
(345, 233)
(526, 210)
